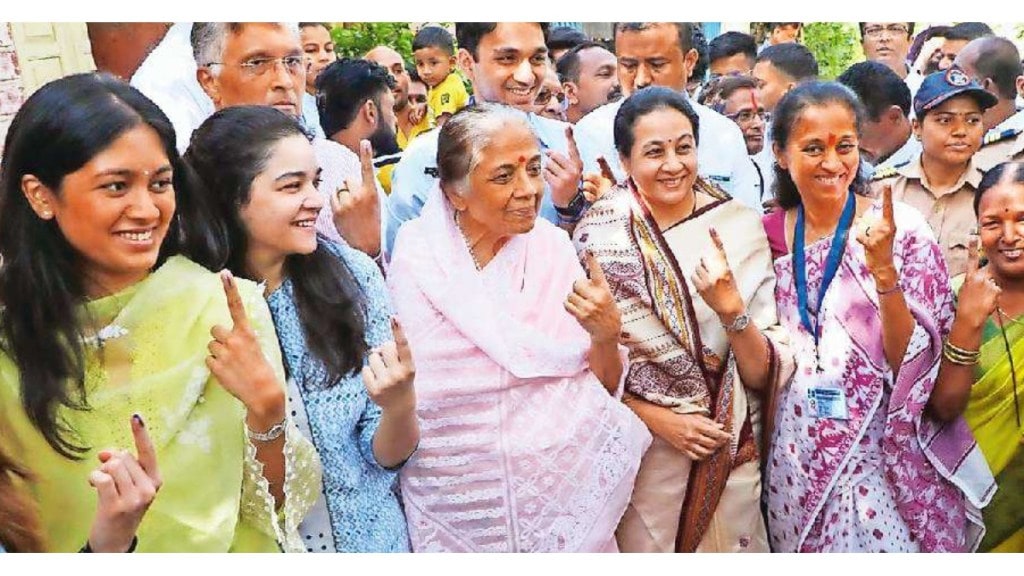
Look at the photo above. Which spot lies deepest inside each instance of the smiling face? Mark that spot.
(663, 161)
(511, 63)
(503, 190)
(283, 202)
(116, 209)
(952, 132)
(822, 154)
(1001, 228)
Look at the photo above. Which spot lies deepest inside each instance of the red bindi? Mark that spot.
(832, 140)
(753, 100)
(522, 159)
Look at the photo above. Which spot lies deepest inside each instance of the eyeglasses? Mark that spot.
(746, 116)
(260, 66)
(545, 96)
(893, 30)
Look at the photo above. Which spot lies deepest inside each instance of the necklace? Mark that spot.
(469, 246)
(1009, 356)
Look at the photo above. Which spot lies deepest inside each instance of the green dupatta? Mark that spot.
(149, 357)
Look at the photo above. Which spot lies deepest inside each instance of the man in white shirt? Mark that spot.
(889, 43)
(168, 77)
(506, 62)
(887, 138)
(661, 54)
(994, 63)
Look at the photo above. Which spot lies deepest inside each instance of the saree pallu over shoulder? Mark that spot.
(149, 359)
(933, 471)
(679, 352)
(522, 448)
(992, 416)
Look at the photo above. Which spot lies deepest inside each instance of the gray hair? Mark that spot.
(464, 136)
(208, 39)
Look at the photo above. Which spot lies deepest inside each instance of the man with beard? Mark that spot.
(738, 100)
(356, 103)
(889, 43)
(261, 64)
(589, 79)
(506, 63)
(415, 117)
(662, 54)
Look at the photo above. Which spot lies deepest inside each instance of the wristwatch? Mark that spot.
(574, 210)
(739, 324)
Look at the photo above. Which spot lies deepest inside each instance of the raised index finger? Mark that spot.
(887, 211)
(606, 170)
(401, 342)
(144, 449)
(366, 161)
(574, 151)
(972, 254)
(239, 318)
(594, 270)
(717, 241)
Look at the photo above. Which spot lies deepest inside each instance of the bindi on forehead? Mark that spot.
(832, 139)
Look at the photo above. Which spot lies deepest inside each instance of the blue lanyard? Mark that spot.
(835, 254)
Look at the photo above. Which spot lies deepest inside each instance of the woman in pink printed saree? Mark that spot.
(859, 461)
(523, 446)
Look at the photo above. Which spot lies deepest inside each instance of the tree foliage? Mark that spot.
(835, 45)
(353, 39)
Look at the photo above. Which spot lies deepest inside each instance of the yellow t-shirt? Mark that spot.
(425, 124)
(448, 97)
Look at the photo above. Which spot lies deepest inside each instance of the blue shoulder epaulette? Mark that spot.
(994, 137)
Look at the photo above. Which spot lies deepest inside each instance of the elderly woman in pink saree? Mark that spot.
(524, 446)
(860, 461)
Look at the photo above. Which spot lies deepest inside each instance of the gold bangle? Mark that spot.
(960, 351)
(959, 356)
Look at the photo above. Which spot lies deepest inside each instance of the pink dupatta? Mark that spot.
(522, 449)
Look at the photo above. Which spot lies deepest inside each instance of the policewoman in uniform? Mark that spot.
(941, 180)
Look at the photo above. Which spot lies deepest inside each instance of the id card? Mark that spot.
(827, 402)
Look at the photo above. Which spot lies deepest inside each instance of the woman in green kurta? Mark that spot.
(983, 364)
(102, 316)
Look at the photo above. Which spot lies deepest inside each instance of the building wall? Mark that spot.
(12, 91)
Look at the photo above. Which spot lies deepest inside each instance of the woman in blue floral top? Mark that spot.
(350, 372)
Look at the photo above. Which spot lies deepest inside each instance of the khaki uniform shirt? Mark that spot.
(950, 214)
(999, 147)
